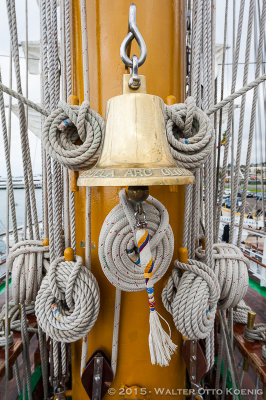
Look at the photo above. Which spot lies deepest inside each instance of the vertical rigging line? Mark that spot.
(27, 94)
(64, 97)
(49, 98)
(86, 83)
(233, 124)
(10, 197)
(221, 98)
(27, 167)
(230, 112)
(259, 121)
(252, 121)
(45, 103)
(241, 119)
(68, 93)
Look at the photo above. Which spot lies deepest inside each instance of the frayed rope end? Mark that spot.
(160, 343)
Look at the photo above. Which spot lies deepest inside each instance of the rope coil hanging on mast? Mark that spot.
(68, 301)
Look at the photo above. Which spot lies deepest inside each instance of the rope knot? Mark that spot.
(72, 135)
(192, 298)
(189, 133)
(64, 293)
(67, 304)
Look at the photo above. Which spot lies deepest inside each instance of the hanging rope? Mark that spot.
(118, 252)
(252, 121)
(64, 127)
(236, 170)
(8, 165)
(231, 268)
(190, 134)
(68, 301)
(192, 298)
(132, 261)
(26, 159)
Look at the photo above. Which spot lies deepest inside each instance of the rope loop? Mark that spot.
(66, 127)
(27, 261)
(118, 251)
(192, 298)
(68, 302)
(190, 134)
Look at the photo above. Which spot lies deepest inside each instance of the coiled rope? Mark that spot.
(134, 258)
(68, 301)
(65, 126)
(240, 313)
(192, 298)
(27, 261)
(231, 268)
(186, 295)
(118, 252)
(189, 133)
(257, 333)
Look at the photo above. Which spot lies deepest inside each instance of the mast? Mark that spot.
(162, 24)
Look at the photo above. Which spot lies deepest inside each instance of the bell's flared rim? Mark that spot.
(135, 176)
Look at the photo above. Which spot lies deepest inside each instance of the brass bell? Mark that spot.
(135, 151)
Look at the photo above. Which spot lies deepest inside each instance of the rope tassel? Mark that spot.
(160, 343)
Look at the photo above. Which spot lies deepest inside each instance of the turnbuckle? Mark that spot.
(134, 63)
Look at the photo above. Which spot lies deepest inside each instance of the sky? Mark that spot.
(34, 81)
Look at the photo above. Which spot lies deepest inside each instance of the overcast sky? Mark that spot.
(34, 80)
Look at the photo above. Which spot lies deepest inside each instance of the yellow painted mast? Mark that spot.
(162, 24)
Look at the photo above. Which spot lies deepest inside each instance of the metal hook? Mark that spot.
(140, 223)
(133, 33)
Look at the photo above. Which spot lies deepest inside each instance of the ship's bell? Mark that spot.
(135, 151)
